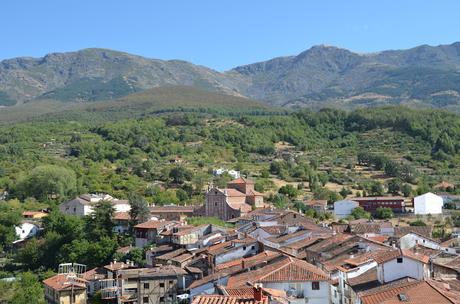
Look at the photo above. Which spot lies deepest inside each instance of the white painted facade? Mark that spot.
(84, 204)
(25, 230)
(428, 203)
(344, 208)
(238, 253)
(402, 267)
(411, 239)
(304, 290)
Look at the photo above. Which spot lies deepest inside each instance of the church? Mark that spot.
(234, 201)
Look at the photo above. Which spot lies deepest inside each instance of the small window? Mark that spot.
(146, 285)
(171, 282)
(399, 260)
(162, 284)
(253, 247)
(145, 300)
(244, 247)
(315, 285)
(295, 215)
(162, 299)
(215, 204)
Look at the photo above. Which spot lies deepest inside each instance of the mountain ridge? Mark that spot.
(322, 75)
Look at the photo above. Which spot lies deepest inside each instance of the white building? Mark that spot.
(428, 203)
(412, 239)
(84, 204)
(233, 173)
(25, 231)
(344, 208)
(403, 263)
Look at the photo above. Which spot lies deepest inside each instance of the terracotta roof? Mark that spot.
(381, 293)
(449, 288)
(96, 274)
(114, 266)
(422, 293)
(276, 229)
(322, 203)
(152, 224)
(288, 236)
(62, 282)
(444, 185)
(262, 257)
(32, 213)
(254, 193)
(219, 299)
(122, 216)
(229, 245)
(304, 243)
(287, 269)
(378, 238)
(421, 230)
(125, 249)
(233, 192)
(241, 180)
(368, 277)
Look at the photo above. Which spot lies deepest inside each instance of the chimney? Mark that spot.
(258, 296)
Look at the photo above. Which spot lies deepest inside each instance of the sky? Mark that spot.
(222, 34)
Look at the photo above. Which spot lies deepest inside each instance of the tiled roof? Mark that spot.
(421, 230)
(368, 277)
(304, 243)
(116, 266)
(62, 282)
(241, 180)
(381, 293)
(219, 299)
(449, 288)
(254, 193)
(287, 269)
(322, 203)
(233, 192)
(97, 273)
(262, 257)
(152, 224)
(122, 216)
(422, 293)
(283, 238)
(277, 229)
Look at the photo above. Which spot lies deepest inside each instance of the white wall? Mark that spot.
(344, 208)
(321, 296)
(237, 253)
(428, 203)
(410, 240)
(26, 230)
(392, 270)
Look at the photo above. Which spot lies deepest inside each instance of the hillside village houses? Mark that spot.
(84, 204)
(267, 256)
(428, 203)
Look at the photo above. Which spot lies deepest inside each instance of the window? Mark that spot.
(215, 204)
(399, 260)
(171, 282)
(146, 285)
(162, 299)
(253, 247)
(145, 299)
(162, 284)
(315, 285)
(244, 247)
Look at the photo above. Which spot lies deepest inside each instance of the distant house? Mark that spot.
(428, 203)
(150, 232)
(34, 214)
(121, 220)
(25, 231)
(370, 204)
(344, 208)
(63, 289)
(172, 212)
(84, 204)
(233, 173)
(320, 206)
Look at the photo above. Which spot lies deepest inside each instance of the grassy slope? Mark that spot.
(149, 102)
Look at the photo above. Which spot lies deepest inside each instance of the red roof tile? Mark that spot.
(62, 282)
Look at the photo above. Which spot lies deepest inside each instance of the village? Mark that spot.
(266, 255)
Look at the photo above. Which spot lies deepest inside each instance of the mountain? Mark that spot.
(98, 74)
(424, 76)
(324, 74)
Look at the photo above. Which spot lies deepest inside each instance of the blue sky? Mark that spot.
(222, 34)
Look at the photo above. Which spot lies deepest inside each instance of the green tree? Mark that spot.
(289, 190)
(360, 213)
(46, 182)
(384, 213)
(394, 186)
(28, 290)
(9, 218)
(180, 174)
(100, 222)
(139, 211)
(406, 190)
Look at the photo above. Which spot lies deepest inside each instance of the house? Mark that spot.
(93, 278)
(157, 285)
(256, 295)
(121, 220)
(231, 250)
(84, 204)
(25, 231)
(150, 232)
(405, 291)
(428, 203)
(412, 239)
(370, 204)
(400, 263)
(234, 201)
(320, 206)
(344, 208)
(65, 289)
(172, 212)
(34, 214)
(233, 173)
(300, 280)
